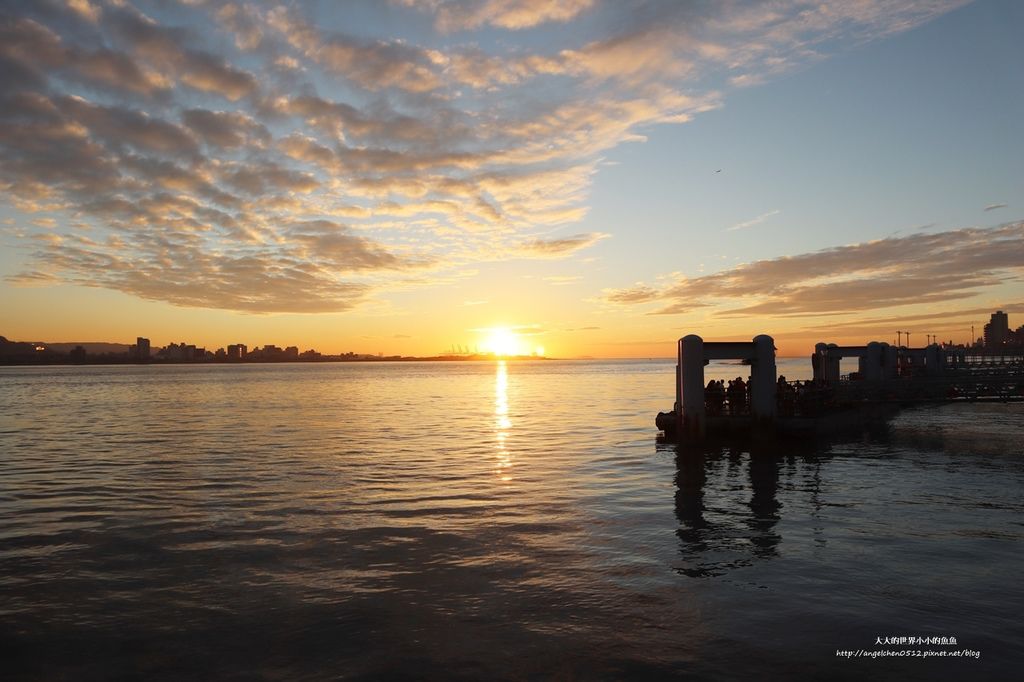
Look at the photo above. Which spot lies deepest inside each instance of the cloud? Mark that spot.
(333, 244)
(225, 129)
(117, 71)
(209, 73)
(31, 46)
(461, 15)
(518, 330)
(163, 48)
(561, 280)
(942, 321)
(172, 266)
(379, 124)
(245, 22)
(46, 155)
(635, 294)
(207, 150)
(562, 247)
(753, 221)
(992, 207)
(372, 64)
(117, 125)
(85, 9)
(263, 178)
(919, 268)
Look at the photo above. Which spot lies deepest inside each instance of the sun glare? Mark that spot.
(502, 341)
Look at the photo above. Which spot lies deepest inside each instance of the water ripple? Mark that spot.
(480, 520)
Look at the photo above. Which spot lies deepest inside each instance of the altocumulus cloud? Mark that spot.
(559, 248)
(919, 268)
(241, 155)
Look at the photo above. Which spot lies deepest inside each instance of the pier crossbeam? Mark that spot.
(694, 354)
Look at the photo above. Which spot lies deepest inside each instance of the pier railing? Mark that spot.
(971, 382)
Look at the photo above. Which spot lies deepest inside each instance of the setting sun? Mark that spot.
(502, 341)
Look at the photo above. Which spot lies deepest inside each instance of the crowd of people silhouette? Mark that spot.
(732, 398)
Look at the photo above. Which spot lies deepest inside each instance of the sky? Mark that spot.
(592, 178)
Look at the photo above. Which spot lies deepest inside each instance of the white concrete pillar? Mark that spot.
(871, 365)
(678, 406)
(818, 361)
(763, 378)
(832, 366)
(890, 361)
(932, 360)
(691, 383)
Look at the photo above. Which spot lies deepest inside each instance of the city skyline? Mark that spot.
(585, 177)
(998, 337)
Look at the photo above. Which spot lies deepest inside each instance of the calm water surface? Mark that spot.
(483, 520)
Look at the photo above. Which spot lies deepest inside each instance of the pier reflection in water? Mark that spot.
(719, 532)
(847, 541)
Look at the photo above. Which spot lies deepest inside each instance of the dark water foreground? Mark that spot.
(485, 521)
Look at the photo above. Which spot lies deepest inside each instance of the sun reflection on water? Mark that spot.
(502, 423)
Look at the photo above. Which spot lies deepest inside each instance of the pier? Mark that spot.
(888, 378)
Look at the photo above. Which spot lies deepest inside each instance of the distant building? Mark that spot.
(77, 354)
(269, 352)
(291, 353)
(237, 351)
(171, 351)
(997, 331)
(142, 348)
(1017, 337)
(183, 351)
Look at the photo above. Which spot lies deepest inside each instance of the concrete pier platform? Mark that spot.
(889, 379)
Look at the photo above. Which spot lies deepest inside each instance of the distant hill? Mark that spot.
(12, 347)
(91, 347)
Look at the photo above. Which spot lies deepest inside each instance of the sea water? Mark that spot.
(488, 520)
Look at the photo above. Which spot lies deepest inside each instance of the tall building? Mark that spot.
(237, 351)
(142, 348)
(997, 331)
